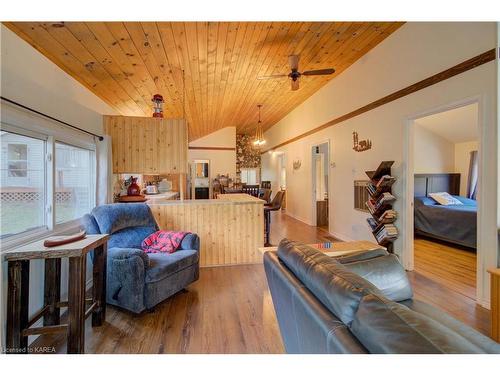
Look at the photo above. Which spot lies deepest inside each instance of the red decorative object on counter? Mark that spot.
(158, 105)
(133, 188)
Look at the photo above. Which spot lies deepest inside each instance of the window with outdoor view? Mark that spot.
(22, 184)
(74, 185)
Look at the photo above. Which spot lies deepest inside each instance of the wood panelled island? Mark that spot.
(231, 228)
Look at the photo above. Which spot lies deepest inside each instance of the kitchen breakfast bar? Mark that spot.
(231, 228)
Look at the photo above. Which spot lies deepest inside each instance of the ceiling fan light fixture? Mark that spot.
(295, 75)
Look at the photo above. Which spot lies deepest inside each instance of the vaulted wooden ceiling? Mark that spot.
(126, 63)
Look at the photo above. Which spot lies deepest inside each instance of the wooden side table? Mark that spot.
(19, 326)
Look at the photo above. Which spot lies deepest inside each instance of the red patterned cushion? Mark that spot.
(163, 241)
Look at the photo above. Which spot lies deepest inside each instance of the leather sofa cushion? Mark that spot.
(387, 274)
(164, 265)
(383, 326)
(306, 325)
(468, 333)
(361, 255)
(339, 289)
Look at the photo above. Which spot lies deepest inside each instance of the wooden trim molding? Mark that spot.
(495, 303)
(212, 148)
(472, 63)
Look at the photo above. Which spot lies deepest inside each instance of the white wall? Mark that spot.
(221, 161)
(32, 80)
(435, 154)
(414, 52)
(432, 153)
(462, 160)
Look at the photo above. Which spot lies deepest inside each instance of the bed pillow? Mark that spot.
(466, 201)
(444, 199)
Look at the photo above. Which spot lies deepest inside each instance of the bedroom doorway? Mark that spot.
(320, 156)
(445, 167)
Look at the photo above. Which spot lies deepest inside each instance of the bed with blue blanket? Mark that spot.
(453, 223)
(456, 224)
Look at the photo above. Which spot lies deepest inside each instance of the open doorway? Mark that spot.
(320, 179)
(445, 192)
(282, 177)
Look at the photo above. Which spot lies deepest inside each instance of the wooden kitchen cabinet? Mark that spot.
(147, 145)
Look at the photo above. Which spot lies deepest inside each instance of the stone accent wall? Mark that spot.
(247, 156)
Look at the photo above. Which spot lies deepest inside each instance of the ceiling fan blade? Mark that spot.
(319, 72)
(273, 76)
(293, 61)
(295, 85)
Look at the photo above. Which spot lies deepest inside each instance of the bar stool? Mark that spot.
(265, 194)
(275, 205)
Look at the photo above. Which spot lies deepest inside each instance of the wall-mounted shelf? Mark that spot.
(380, 205)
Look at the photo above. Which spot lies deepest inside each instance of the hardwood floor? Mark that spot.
(283, 226)
(447, 265)
(445, 276)
(229, 310)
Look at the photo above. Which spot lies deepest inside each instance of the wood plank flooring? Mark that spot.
(446, 264)
(229, 310)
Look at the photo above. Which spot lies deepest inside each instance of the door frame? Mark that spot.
(486, 250)
(193, 176)
(313, 180)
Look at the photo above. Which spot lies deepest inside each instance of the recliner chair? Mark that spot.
(137, 281)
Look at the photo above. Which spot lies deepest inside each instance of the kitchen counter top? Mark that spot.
(223, 199)
(162, 196)
(239, 198)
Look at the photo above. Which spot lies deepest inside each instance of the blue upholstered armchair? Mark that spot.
(137, 281)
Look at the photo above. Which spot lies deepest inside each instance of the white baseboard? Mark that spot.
(484, 303)
(298, 218)
(339, 236)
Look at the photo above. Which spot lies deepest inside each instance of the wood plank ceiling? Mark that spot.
(125, 63)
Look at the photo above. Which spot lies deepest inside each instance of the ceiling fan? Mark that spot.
(293, 61)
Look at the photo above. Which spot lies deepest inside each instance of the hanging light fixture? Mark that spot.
(259, 133)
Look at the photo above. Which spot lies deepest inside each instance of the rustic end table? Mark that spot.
(19, 326)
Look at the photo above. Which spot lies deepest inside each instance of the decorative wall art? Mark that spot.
(296, 165)
(360, 146)
(247, 156)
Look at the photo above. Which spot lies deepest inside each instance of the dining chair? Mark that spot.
(252, 190)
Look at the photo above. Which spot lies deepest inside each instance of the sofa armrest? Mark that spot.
(125, 253)
(126, 272)
(190, 242)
